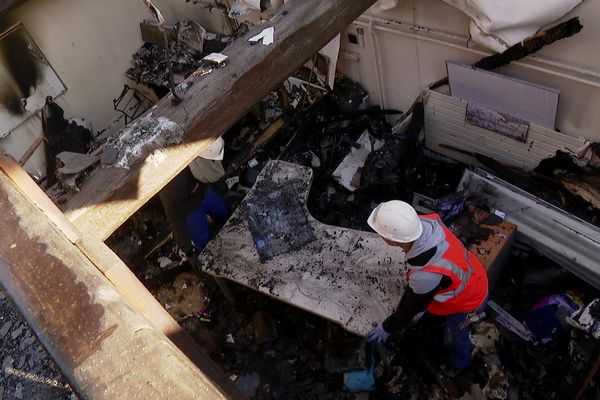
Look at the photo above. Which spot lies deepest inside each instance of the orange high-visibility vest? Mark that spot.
(469, 286)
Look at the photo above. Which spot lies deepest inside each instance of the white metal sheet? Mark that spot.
(524, 100)
(568, 240)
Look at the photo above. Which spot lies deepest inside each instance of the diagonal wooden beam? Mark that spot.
(211, 105)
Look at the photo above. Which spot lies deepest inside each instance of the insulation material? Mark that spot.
(498, 25)
(383, 5)
(347, 276)
(346, 172)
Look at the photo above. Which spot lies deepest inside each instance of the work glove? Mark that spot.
(377, 335)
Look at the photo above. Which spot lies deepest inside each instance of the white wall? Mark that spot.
(413, 41)
(89, 43)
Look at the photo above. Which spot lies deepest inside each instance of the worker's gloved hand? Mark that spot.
(377, 335)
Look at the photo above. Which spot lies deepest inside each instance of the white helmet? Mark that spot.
(215, 150)
(397, 221)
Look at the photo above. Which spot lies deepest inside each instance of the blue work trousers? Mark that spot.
(197, 222)
(456, 339)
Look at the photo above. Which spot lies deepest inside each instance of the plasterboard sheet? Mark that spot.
(346, 276)
(568, 240)
(445, 124)
(524, 100)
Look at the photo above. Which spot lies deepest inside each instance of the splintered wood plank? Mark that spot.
(212, 104)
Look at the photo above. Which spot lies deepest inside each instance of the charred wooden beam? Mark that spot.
(126, 283)
(525, 48)
(104, 346)
(211, 105)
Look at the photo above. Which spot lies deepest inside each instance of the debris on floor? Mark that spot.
(62, 136)
(274, 350)
(189, 43)
(587, 318)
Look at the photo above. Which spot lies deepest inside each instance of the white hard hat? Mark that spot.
(397, 221)
(215, 150)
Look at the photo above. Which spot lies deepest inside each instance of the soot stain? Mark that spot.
(23, 69)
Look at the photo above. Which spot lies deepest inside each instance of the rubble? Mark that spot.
(274, 350)
(61, 135)
(188, 44)
(265, 36)
(144, 135)
(586, 318)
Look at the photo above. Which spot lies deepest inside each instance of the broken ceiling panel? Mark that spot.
(498, 25)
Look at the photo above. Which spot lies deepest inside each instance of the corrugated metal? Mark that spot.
(560, 236)
(445, 124)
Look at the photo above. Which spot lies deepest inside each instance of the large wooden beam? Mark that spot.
(113, 268)
(211, 105)
(106, 349)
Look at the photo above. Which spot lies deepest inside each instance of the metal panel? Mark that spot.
(570, 241)
(445, 124)
(521, 99)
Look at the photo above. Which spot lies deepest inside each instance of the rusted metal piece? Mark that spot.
(105, 348)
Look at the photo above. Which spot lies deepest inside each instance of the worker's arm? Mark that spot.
(412, 304)
(422, 287)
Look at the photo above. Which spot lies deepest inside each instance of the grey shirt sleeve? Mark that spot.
(422, 282)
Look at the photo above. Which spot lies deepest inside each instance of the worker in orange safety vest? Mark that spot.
(444, 278)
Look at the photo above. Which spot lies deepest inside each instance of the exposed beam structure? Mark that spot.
(211, 105)
(105, 347)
